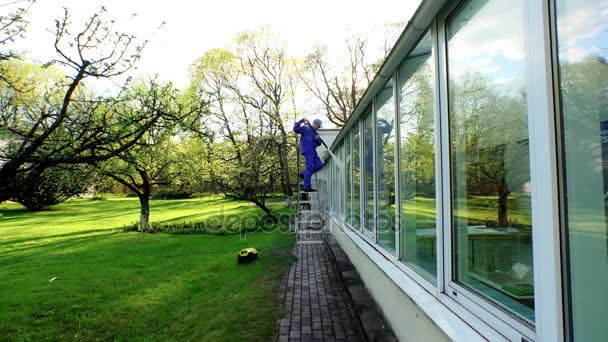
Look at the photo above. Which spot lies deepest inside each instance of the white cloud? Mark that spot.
(580, 23)
(573, 54)
(497, 29)
(505, 80)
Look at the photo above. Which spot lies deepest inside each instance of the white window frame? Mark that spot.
(435, 288)
(359, 127)
(479, 312)
(542, 99)
(397, 154)
(511, 327)
(377, 164)
(369, 233)
(543, 178)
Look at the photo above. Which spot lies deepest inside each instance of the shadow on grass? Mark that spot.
(91, 211)
(139, 286)
(50, 237)
(78, 238)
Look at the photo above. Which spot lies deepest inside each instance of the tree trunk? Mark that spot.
(144, 217)
(503, 193)
(285, 180)
(262, 206)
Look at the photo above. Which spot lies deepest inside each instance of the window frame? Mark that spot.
(358, 125)
(377, 162)
(370, 233)
(545, 240)
(435, 288)
(563, 310)
(543, 96)
(506, 323)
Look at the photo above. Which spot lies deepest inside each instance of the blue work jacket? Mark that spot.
(308, 143)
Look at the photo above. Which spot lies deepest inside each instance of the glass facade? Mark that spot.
(417, 160)
(441, 165)
(492, 248)
(583, 71)
(385, 156)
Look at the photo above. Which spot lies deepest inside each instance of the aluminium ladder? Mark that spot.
(309, 221)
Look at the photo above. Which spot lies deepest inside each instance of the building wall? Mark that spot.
(471, 181)
(407, 320)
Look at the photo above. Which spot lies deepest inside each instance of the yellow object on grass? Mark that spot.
(247, 255)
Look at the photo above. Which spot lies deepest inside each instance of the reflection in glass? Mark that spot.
(368, 172)
(417, 161)
(340, 179)
(348, 177)
(385, 155)
(356, 218)
(489, 150)
(582, 33)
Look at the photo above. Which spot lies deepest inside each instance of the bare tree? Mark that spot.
(68, 124)
(13, 25)
(391, 32)
(338, 89)
(268, 88)
(245, 148)
(153, 160)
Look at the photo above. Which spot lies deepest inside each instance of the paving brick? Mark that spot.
(313, 294)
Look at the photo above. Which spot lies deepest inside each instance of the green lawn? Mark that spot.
(125, 286)
(479, 210)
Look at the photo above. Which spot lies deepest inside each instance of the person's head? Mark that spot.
(316, 124)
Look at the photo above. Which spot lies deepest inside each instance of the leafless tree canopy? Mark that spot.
(67, 123)
(338, 89)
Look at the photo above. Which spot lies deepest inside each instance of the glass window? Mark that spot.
(341, 178)
(337, 179)
(583, 65)
(492, 228)
(418, 218)
(368, 172)
(385, 156)
(356, 218)
(333, 187)
(348, 176)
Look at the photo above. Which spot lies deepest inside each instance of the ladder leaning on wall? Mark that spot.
(308, 222)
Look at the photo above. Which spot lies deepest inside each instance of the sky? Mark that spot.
(193, 27)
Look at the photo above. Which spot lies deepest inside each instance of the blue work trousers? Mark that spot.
(313, 164)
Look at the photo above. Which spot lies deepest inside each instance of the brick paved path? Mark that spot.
(317, 305)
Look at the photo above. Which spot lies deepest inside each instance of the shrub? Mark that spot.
(53, 186)
(172, 194)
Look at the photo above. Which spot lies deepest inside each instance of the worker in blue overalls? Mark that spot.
(309, 141)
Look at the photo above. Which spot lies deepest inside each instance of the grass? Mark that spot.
(125, 286)
(479, 210)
